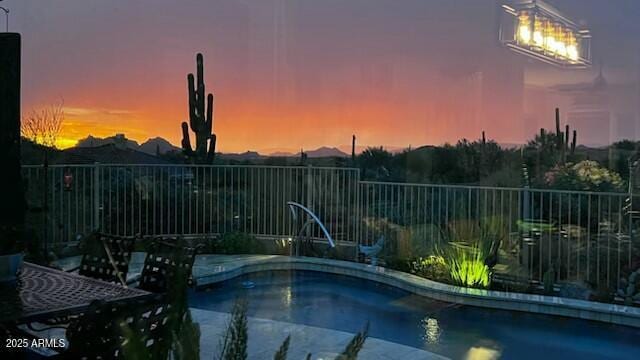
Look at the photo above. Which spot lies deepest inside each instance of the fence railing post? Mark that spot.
(309, 194)
(96, 196)
(359, 206)
(308, 202)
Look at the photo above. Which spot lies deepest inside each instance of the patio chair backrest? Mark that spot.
(123, 329)
(167, 263)
(107, 257)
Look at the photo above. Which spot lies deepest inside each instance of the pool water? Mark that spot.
(459, 332)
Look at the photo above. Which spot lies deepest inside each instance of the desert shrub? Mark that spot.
(408, 242)
(586, 175)
(432, 267)
(602, 293)
(629, 288)
(280, 247)
(239, 243)
(548, 280)
(144, 244)
(398, 263)
(419, 240)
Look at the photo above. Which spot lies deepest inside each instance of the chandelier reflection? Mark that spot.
(536, 29)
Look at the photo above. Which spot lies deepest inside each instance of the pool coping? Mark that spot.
(208, 273)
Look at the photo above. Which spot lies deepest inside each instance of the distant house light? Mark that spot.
(535, 29)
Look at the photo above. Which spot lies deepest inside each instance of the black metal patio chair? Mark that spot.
(168, 263)
(106, 257)
(124, 329)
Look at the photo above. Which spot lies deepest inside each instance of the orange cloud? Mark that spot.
(80, 122)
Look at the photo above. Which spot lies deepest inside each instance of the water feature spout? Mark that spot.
(294, 206)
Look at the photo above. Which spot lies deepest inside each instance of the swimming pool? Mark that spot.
(345, 303)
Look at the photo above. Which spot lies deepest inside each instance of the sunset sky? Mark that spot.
(302, 74)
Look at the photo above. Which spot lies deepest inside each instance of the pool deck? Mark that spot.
(266, 336)
(210, 269)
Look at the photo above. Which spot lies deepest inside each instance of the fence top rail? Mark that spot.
(297, 167)
(345, 169)
(472, 187)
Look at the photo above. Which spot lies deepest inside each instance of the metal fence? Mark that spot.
(582, 235)
(187, 200)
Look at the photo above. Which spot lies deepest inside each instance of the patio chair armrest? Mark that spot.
(73, 269)
(133, 280)
(48, 327)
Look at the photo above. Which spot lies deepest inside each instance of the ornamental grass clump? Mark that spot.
(467, 267)
(470, 251)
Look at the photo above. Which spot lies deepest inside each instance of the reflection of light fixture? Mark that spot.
(525, 34)
(6, 17)
(431, 330)
(534, 28)
(482, 353)
(538, 39)
(524, 27)
(248, 284)
(67, 179)
(287, 296)
(572, 49)
(561, 46)
(547, 32)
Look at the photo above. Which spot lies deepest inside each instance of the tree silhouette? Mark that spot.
(43, 126)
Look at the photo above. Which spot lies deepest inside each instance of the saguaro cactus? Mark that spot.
(200, 119)
(559, 136)
(562, 139)
(353, 149)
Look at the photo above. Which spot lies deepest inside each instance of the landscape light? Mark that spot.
(67, 179)
(536, 29)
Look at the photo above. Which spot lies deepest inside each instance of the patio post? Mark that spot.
(12, 206)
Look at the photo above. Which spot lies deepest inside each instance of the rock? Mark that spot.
(580, 291)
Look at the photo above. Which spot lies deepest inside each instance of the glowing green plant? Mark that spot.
(467, 267)
(470, 250)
